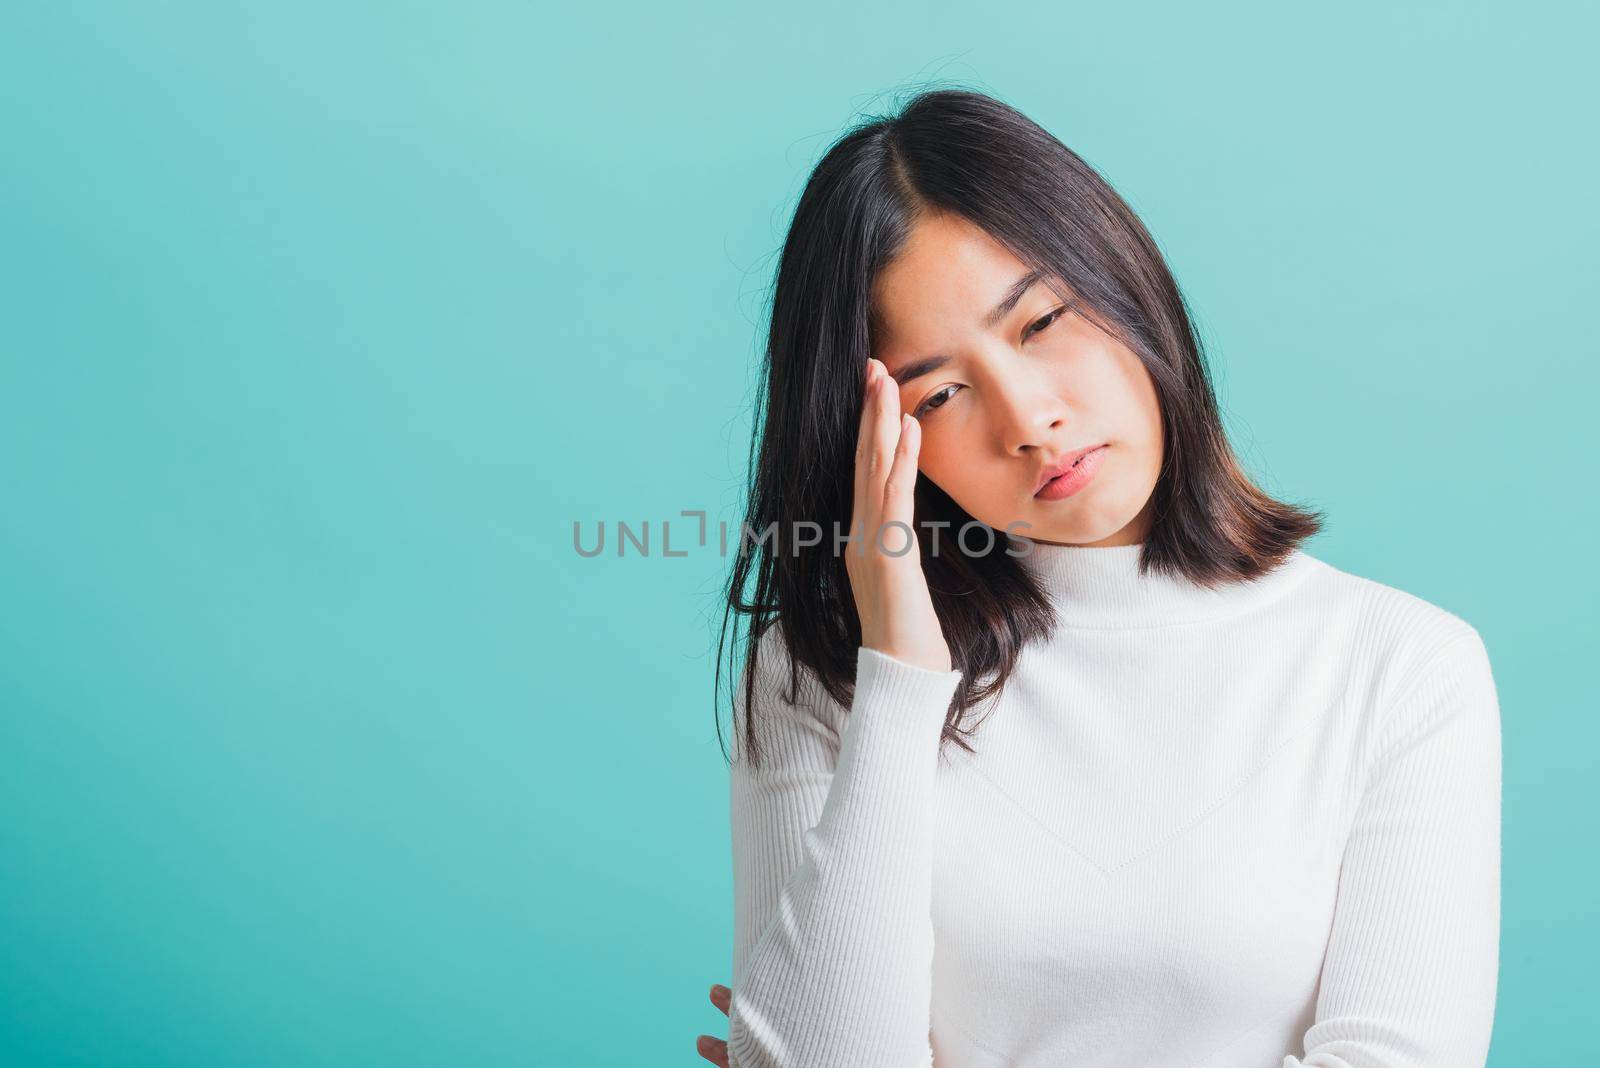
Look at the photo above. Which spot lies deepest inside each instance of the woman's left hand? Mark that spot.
(712, 1048)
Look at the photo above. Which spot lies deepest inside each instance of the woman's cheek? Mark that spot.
(938, 462)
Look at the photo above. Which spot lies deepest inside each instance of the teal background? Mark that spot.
(320, 325)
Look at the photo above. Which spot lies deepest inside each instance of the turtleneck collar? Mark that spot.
(1102, 587)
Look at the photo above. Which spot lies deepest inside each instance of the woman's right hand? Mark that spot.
(891, 591)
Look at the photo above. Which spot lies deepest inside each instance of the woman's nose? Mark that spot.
(1028, 415)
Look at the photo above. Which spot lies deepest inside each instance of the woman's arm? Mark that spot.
(833, 856)
(1411, 969)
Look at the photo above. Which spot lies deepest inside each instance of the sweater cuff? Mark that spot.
(895, 692)
(889, 747)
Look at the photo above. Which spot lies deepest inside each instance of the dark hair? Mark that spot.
(962, 152)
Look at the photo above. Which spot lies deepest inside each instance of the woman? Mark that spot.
(1105, 769)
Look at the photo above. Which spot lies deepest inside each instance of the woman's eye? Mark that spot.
(1046, 322)
(929, 405)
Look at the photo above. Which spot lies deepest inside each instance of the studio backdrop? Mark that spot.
(326, 329)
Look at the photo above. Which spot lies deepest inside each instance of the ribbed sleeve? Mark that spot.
(833, 853)
(1410, 973)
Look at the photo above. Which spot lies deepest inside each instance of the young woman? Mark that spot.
(1098, 768)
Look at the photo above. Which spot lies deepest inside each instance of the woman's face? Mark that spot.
(1003, 402)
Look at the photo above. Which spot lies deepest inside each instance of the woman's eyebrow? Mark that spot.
(918, 368)
(1009, 301)
(1014, 293)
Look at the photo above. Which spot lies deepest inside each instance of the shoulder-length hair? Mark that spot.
(962, 152)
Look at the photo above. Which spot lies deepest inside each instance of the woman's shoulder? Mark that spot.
(1395, 632)
(784, 687)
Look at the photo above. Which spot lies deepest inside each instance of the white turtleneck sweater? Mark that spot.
(1254, 827)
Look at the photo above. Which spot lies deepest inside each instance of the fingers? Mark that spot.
(875, 446)
(900, 485)
(712, 1049)
(886, 434)
(859, 508)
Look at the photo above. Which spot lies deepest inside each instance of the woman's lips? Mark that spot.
(1074, 478)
